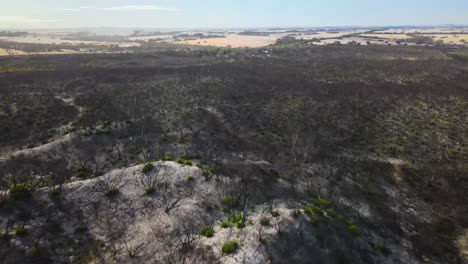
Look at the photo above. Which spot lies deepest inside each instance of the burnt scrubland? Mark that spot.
(287, 154)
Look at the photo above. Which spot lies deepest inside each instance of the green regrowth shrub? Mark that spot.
(112, 192)
(20, 231)
(234, 218)
(315, 221)
(207, 231)
(212, 170)
(240, 224)
(20, 191)
(296, 213)
(275, 213)
(187, 162)
(150, 191)
(380, 248)
(330, 212)
(167, 158)
(321, 202)
(317, 210)
(225, 224)
(180, 161)
(147, 167)
(264, 221)
(353, 229)
(229, 247)
(82, 173)
(190, 178)
(229, 202)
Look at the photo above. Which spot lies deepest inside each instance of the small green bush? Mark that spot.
(180, 161)
(225, 224)
(229, 202)
(150, 191)
(317, 210)
(82, 173)
(167, 158)
(264, 221)
(34, 253)
(321, 202)
(296, 213)
(234, 218)
(380, 248)
(199, 165)
(21, 231)
(353, 229)
(275, 213)
(147, 167)
(314, 220)
(308, 211)
(190, 178)
(212, 170)
(20, 191)
(229, 247)
(207, 231)
(240, 224)
(112, 192)
(330, 212)
(187, 162)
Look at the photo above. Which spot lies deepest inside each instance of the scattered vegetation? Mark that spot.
(264, 221)
(229, 247)
(207, 231)
(21, 231)
(20, 191)
(147, 167)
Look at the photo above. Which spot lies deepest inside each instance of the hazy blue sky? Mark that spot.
(228, 13)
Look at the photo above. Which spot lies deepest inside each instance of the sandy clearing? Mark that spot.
(409, 58)
(387, 36)
(235, 41)
(57, 40)
(451, 38)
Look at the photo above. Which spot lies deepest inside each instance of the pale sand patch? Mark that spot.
(462, 244)
(56, 40)
(235, 41)
(409, 58)
(387, 36)
(451, 38)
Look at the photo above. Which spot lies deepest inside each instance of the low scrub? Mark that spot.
(264, 221)
(112, 192)
(20, 191)
(229, 247)
(207, 231)
(147, 167)
(21, 231)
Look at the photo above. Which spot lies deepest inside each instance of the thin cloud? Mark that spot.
(24, 20)
(141, 8)
(123, 8)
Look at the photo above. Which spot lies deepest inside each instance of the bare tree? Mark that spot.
(172, 196)
(109, 182)
(150, 180)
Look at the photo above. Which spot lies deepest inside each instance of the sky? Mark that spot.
(228, 13)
